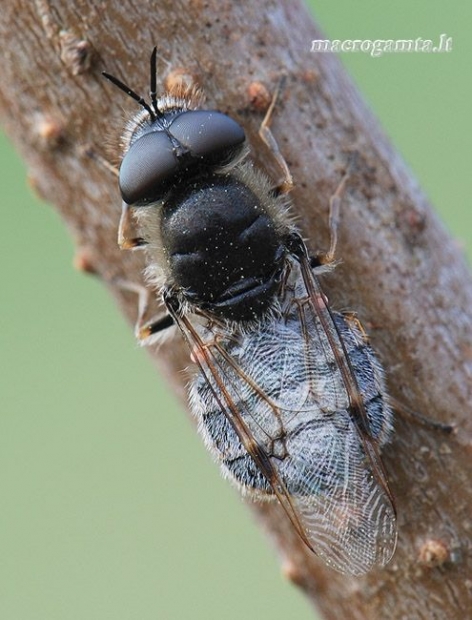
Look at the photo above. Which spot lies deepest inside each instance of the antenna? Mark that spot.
(153, 81)
(134, 95)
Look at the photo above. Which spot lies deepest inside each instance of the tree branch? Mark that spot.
(400, 271)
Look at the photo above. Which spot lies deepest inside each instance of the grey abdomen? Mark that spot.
(292, 398)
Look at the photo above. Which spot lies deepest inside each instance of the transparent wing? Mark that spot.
(284, 421)
(349, 521)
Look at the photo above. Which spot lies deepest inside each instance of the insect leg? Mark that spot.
(325, 259)
(398, 406)
(90, 152)
(419, 418)
(334, 216)
(124, 241)
(145, 329)
(267, 137)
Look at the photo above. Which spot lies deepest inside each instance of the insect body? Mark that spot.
(289, 396)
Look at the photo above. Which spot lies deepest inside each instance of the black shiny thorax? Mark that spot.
(221, 246)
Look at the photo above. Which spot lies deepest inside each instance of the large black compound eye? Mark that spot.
(150, 162)
(207, 133)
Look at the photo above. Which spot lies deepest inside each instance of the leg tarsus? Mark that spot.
(145, 329)
(329, 257)
(267, 137)
(90, 152)
(419, 418)
(124, 241)
(353, 320)
(334, 216)
(156, 325)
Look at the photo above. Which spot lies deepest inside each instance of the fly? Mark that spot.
(289, 395)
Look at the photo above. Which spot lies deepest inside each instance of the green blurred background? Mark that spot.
(110, 506)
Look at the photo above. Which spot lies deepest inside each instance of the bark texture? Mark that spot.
(400, 271)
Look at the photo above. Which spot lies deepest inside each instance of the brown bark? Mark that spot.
(400, 271)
